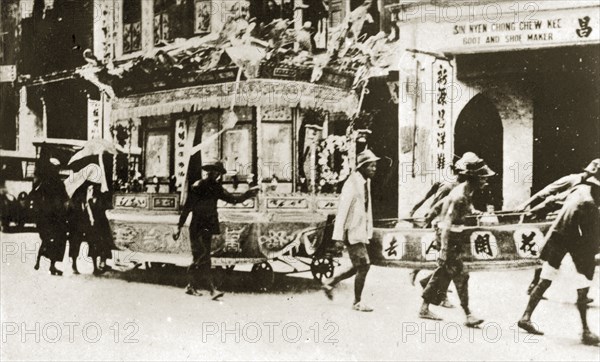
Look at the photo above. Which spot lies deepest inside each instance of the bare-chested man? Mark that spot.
(457, 207)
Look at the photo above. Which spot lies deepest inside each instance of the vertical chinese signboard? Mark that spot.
(94, 118)
(442, 113)
(181, 159)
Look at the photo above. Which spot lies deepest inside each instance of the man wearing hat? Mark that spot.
(354, 226)
(552, 197)
(441, 189)
(202, 203)
(431, 217)
(457, 206)
(575, 231)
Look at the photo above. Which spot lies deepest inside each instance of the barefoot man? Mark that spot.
(457, 207)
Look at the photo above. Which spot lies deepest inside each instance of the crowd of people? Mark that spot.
(79, 218)
(574, 231)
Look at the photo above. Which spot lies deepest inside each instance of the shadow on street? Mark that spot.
(168, 274)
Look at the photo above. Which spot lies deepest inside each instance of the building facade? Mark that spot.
(51, 101)
(11, 161)
(138, 72)
(515, 82)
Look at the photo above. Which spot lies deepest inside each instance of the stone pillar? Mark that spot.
(515, 106)
(147, 25)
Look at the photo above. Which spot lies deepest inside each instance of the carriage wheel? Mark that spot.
(263, 275)
(322, 267)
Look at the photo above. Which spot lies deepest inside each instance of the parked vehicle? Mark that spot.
(16, 212)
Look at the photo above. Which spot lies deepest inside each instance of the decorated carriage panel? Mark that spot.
(501, 243)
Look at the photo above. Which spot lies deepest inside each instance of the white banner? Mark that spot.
(8, 73)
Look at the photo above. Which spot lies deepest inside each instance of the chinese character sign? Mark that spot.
(430, 247)
(529, 242)
(585, 29)
(181, 160)
(131, 201)
(442, 113)
(94, 120)
(484, 245)
(393, 246)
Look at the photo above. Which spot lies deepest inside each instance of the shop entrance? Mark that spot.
(479, 129)
(566, 123)
(384, 143)
(564, 83)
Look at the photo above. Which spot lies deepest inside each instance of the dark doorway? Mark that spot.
(67, 108)
(383, 141)
(479, 129)
(566, 124)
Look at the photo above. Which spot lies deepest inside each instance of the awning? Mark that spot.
(265, 92)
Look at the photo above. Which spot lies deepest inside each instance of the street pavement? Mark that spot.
(145, 315)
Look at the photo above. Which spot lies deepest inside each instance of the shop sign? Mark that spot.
(501, 30)
(442, 78)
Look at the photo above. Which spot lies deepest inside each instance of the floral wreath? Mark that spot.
(327, 148)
